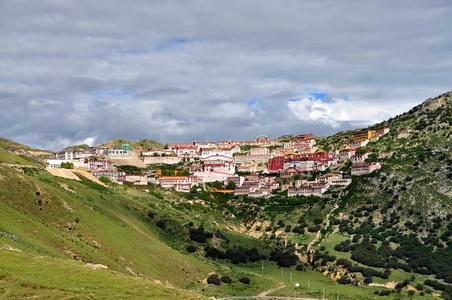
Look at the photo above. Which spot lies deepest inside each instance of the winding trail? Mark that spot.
(318, 235)
(265, 295)
(270, 291)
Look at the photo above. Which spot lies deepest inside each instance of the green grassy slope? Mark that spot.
(23, 275)
(89, 223)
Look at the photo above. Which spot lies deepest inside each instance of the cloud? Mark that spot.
(177, 71)
(338, 111)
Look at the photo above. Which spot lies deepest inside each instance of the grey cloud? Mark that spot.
(182, 70)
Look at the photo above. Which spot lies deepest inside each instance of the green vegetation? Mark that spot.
(67, 165)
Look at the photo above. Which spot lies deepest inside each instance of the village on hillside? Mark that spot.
(258, 168)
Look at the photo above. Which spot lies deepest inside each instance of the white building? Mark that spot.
(365, 168)
(259, 151)
(168, 160)
(359, 158)
(306, 191)
(187, 151)
(136, 179)
(118, 153)
(346, 154)
(179, 183)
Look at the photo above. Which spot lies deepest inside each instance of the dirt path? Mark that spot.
(271, 291)
(318, 235)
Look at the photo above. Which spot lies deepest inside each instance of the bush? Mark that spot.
(384, 293)
(300, 267)
(191, 248)
(214, 252)
(314, 228)
(368, 280)
(198, 235)
(160, 224)
(245, 280)
(344, 280)
(213, 279)
(226, 279)
(298, 229)
(67, 165)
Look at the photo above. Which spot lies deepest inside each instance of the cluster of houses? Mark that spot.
(256, 168)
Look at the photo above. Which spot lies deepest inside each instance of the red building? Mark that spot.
(276, 164)
(317, 156)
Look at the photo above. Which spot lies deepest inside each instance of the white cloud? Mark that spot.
(336, 111)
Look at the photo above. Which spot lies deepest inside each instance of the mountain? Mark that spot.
(61, 238)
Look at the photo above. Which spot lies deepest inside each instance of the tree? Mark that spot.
(362, 150)
(217, 184)
(191, 248)
(244, 280)
(67, 165)
(231, 185)
(226, 279)
(213, 279)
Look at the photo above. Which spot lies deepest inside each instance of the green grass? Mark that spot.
(111, 228)
(331, 241)
(304, 239)
(10, 158)
(27, 276)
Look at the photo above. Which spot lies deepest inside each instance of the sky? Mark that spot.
(175, 71)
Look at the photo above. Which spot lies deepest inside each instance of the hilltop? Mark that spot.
(140, 145)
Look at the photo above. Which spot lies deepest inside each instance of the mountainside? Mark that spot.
(392, 225)
(393, 228)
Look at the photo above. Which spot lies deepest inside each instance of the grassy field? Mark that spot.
(85, 222)
(27, 276)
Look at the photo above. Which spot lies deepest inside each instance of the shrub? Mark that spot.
(67, 165)
(368, 280)
(314, 228)
(226, 279)
(160, 224)
(213, 279)
(298, 229)
(300, 267)
(191, 248)
(214, 253)
(198, 235)
(344, 280)
(245, 280)
(384, 293)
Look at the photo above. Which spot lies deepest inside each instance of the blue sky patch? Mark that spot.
(252, 103)
(319, 95)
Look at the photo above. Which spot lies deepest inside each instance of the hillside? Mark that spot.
(141, 145)
(74, 238)
(22, 152)
(392, 225)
